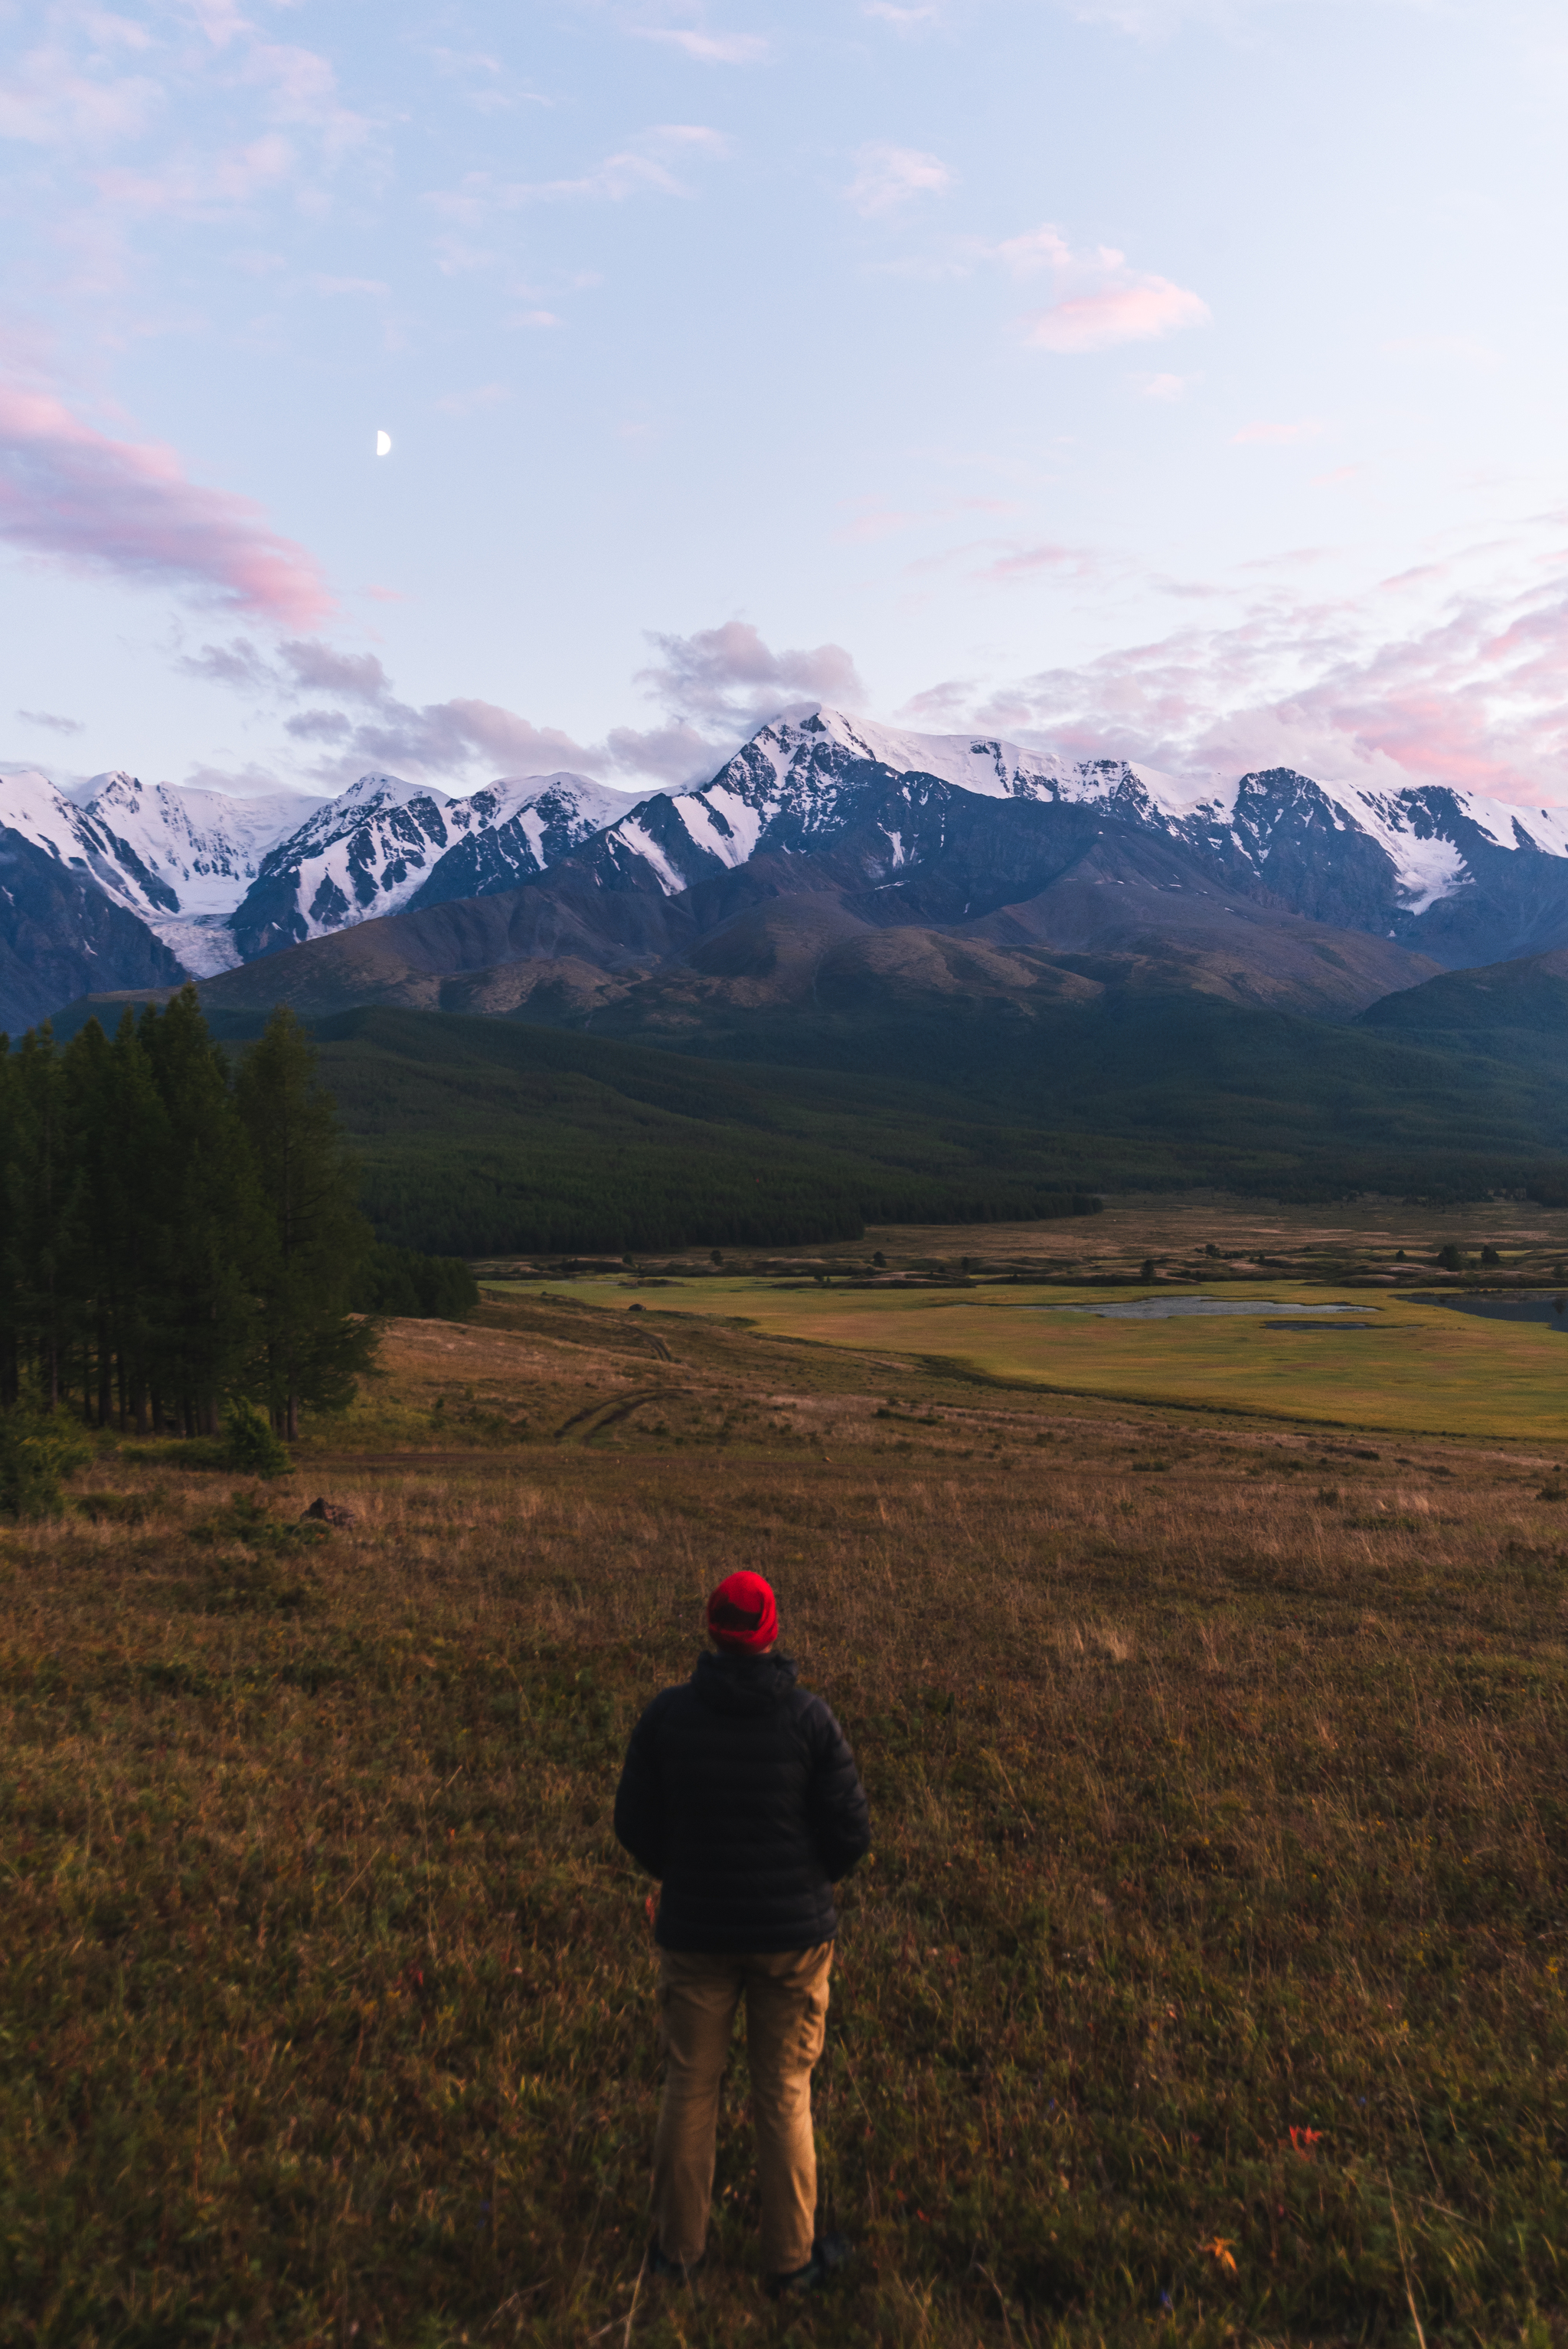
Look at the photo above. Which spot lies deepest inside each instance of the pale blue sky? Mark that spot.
(1186, 382)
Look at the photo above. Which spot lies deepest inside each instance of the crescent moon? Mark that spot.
(384, 444)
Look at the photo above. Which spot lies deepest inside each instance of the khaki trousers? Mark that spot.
(786, 1994)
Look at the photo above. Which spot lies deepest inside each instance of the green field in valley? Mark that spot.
(1419, 1368)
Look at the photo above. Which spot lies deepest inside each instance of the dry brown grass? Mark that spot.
(1217, 1781)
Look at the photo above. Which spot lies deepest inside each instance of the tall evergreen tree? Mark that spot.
(39, 1223)
(316, 1238)
(10, 1300)
(210, 1222)
(122, 1147)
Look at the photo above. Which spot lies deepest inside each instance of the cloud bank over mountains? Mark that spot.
(1471, 692)
(341, 713)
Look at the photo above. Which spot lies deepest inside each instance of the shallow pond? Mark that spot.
(1549, 1307)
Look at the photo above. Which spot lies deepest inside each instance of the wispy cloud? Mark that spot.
(50, 723)
(888, 178)
(644, 167)
(278, 102)
(710, 48)
(72, 495)
(1030, 562)
(904, 15)
(57, 97)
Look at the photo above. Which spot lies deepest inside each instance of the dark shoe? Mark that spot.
(829, 2254)
(658, 2265)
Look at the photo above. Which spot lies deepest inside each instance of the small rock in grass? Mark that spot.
(328, 1513)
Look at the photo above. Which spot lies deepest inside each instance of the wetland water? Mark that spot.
(1547, 1307)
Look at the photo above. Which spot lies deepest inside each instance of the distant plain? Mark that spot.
(1418, 1367)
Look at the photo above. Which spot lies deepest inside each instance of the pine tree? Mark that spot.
(10, 1300)
(316, 1238)
(210, 1231)
(124, 1147)
(38, 1219)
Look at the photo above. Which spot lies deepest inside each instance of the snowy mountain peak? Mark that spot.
(386, 843)
(373, 792)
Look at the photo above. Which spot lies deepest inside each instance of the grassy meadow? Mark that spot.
(1413, 1369)
(1206, 1985)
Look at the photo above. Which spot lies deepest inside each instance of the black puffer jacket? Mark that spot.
(741, 1793)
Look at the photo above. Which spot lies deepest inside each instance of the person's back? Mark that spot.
(741, 1794)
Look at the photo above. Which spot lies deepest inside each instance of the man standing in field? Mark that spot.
(740, 1794)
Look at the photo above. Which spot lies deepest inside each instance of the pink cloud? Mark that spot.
(1277, 436)
(712, 48)
(729, 674)
(1134, 312)
(1029, 561)
(201, 187)
(640, 168)
(72, 495)
(890, 177)
(1476, 698)
(874, 522)
(1099, 300)
(50, 101)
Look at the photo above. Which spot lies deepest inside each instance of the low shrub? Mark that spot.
(252, 1552)
(37, 1450)
(250, 1445)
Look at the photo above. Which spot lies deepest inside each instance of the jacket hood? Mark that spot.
(743, 1683)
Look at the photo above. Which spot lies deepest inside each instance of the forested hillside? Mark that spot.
(485, 1136)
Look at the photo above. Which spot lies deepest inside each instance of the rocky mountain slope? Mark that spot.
(384, 844)
(61, 935)
(1011, 893)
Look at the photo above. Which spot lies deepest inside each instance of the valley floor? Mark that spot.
(1018, 1305)
(1205, 1986)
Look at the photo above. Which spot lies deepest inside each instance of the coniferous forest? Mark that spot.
(177, 1235)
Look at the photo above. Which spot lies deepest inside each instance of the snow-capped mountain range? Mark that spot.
(218, 881)
(386, 843)
(794, 787)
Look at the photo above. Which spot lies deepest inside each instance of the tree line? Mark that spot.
(175, 1233)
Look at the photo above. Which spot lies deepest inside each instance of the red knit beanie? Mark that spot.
(742, 1615)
